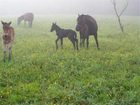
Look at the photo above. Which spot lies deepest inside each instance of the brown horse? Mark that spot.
(8, 38)
(26, 17)
(87, 26)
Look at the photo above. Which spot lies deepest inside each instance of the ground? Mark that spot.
(40, 75)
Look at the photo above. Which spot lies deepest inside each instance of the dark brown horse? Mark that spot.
(29, 17)
(8, 38)
(62, 33)
(87, 26)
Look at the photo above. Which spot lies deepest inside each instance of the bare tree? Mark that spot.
(121, 12)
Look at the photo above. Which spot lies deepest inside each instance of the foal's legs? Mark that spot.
(76, 42)
(73, 42)
(62, 43)
(10, 53)
(4, 57)
(56, 43)
(4, 53)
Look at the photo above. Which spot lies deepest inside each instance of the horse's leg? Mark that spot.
(10, 53)
(30, 24)
(62, 43)
(80, 39)
(56, 43)
(83, 42)
(24, 23)
(4, 54)
(76, 42)
(96, 39)
(87, 40)
(73, 42)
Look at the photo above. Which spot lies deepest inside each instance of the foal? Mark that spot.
(61, 33)
(8, 38)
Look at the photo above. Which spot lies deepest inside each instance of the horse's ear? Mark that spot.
(9, 23)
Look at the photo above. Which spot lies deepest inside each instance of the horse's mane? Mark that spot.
(58, 27)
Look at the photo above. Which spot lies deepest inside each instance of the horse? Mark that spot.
(8, 38)
(87, 25)
(29, 17)
(62, 33)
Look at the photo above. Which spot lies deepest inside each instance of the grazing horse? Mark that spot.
(26, 17)
(61, 33)
(87, 26)
(8, 38)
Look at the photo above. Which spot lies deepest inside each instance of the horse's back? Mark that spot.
(67, 32)
(70, 31)
(92, 24)
(29, 16)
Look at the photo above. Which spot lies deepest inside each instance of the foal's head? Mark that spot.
(54, 27)
(6, 25)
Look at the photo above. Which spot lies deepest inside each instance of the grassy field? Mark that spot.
(40, 75)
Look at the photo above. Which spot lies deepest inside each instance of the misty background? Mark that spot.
(50, 7)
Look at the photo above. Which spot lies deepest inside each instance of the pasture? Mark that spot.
(40, 75)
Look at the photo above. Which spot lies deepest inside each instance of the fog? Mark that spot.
(46, 7)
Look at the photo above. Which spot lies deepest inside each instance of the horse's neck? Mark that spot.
(58, 29)
(21, 18)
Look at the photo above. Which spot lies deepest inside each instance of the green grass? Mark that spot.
(40, 75)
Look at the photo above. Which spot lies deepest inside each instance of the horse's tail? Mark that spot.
(75, 35)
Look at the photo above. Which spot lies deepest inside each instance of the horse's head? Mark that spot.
(5, 25)
(54, 26)
(80, 22)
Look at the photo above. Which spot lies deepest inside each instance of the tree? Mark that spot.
(121, 12)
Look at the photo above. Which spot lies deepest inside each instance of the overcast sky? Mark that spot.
(45, 7)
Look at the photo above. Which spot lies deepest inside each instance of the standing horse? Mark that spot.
(61, 33)
(87, 26)
(8, 38)
(26, 17)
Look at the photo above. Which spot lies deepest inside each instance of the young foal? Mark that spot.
(8, 38)
(61, 33)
